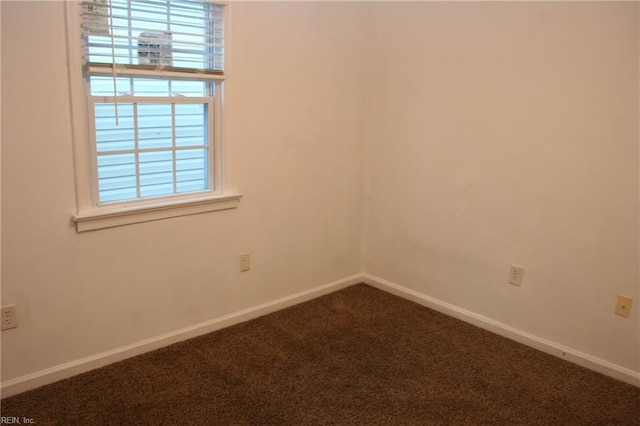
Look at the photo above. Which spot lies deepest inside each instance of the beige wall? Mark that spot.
(295, 150)
(464, 136)
(503, 133)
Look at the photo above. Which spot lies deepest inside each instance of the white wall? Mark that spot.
(464, 136)
(504, 133)
(295, 154)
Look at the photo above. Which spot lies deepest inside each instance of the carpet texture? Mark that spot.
(356, 356)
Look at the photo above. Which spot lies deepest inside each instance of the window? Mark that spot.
(153, 75)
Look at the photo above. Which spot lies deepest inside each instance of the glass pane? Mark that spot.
(191, 186)
(191, 170)
(154, 126)
(188, 88)
(103, 86)
(116, 177)
(156, 173)
(156, 162)
(118, 195)
(150, 87)
(112, 137)
(191, 128)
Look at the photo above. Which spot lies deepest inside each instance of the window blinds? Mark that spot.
(173, 35)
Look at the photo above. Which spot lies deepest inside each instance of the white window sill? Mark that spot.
(108, 218)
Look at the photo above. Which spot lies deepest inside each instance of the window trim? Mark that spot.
(92, 216)
(165, 209)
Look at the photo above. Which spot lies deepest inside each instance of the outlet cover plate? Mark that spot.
(245, 261)
(8, 318)
(623, 306)
(515, 275)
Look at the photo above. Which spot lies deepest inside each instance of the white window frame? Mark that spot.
(90, 214)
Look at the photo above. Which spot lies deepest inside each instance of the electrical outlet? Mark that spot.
(8, 317)
(623, 307)
(245, 261)
(515, 275)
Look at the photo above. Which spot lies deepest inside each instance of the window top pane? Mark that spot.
(136, 86)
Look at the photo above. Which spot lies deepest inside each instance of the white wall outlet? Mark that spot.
(245, 261)
(623, 306)
(8, 317)
(515, 275)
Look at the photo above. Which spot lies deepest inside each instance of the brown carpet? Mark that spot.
(357, 356)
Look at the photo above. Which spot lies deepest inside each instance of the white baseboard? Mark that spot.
(592, 363)
(63, 371)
